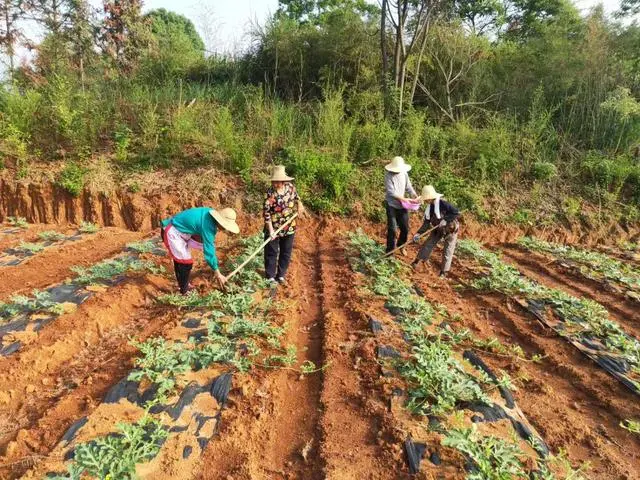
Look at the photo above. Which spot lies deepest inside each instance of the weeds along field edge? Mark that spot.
(474, 424)
(157, 421)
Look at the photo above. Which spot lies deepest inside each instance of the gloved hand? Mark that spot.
(416, 238)
(443, 223)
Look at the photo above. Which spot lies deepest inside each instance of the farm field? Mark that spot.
(514, 367)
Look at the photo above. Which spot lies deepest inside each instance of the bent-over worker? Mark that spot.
(196, 228)
(441, 214)
(397, 184)
(280, 204)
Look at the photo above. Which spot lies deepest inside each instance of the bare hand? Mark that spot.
(222, 280)
(272, 234)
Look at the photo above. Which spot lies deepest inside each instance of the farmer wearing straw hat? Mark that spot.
(280, 204)
(397, 184)
(441, 214)
(196, 228)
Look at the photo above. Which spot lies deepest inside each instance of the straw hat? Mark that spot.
(429, 193)
(280, 175)
(397, 165)
(226, 218)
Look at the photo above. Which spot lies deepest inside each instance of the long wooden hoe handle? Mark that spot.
(404, 244)
(261, 247)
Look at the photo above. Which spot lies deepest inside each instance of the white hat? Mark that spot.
(429, 193)
(280, 175)
(226, 218)
(397, 165)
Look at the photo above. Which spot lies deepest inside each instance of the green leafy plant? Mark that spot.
(160, 362)
(583, 317)
(51, 236)
(72, 178)
(493, 457)
(39, 302)
(88, 227)
(590, 264)
(632, 425)
(19, 222)
(437, 380)
(287, 359)
(32, 248)
(146, 246)
(112, 268)
(116, 455)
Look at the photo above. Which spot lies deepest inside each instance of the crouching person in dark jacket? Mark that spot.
(441, 214)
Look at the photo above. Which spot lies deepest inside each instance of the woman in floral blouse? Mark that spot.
(281, 203)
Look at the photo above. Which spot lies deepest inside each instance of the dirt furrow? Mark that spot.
(65, 373)
(350, 433)
(54, 264)
(538, 268)
(569, 403)
(272, 428)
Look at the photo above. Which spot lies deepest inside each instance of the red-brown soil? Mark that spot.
(53, 264)
(334, 424)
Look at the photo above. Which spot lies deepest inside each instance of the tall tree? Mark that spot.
(410, 21)
(81, 34)
(315, 11)
(53, 17)
(177, 44)
(629, 7)
(11, 11)
(125, 34)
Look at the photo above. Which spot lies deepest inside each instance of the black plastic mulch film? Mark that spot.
(415, 451)
(184, 414)
(71, 292)
(619, 368)
(15, 255)
(590, 346)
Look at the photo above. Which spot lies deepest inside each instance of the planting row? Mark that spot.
(16, 255)
(457, 411)
(583, 322)
(157, 421)
(31, 313)
(596, 266)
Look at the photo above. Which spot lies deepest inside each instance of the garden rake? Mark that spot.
(261, 247)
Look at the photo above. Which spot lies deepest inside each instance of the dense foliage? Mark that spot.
(516, 99)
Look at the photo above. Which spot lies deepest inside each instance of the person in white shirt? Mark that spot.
(397, 185)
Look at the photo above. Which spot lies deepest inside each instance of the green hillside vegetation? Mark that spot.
(493, 102)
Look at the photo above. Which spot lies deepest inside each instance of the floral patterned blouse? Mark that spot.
(278, 208)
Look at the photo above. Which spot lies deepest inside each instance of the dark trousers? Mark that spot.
(183, 271)
(396, 218)
(277, 255)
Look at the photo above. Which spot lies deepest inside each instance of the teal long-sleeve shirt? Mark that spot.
(198, 221)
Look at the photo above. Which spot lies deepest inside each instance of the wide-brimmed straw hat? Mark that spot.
(280, 175)
(429, 193)
(226, 218)
(397, 165)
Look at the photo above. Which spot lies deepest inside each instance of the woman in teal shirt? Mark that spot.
(196, 228)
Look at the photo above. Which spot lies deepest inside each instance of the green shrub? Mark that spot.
(544, 171)
(72, 178)
(412, 132)
(322, 179)
(523, 216)
(610, 174)
(371, 141)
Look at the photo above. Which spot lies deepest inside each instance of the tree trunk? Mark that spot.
(420, 55)
(385, 60)
(9, 37)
